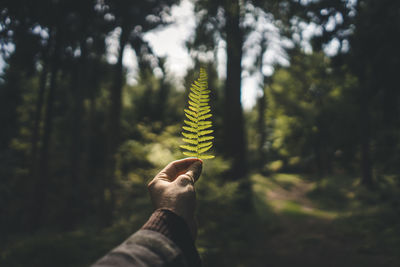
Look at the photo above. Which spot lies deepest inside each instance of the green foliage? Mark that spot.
(78, 248)
(197, 127)
(60, 100)
(307, 130)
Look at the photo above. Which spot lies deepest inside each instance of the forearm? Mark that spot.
(164, 240)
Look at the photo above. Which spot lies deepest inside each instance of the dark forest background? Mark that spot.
(309, 176)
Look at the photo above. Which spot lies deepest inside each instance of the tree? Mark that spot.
(132, 20)
(365, 43)
(308, 129)
(225, 18)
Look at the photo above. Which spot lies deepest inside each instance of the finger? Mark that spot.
(176, 168)
(194, 170)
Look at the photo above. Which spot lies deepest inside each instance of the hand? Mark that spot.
(173, 189)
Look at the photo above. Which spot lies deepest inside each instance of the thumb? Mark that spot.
(194, 170)
(176, 168)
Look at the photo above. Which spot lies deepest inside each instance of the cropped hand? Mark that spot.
(173, 189)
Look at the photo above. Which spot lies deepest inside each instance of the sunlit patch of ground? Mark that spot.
(314, 223)
(287, 193)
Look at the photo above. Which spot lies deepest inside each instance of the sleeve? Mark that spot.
(164, 240)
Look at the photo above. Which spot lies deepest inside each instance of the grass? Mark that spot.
(287, 193)
(78, 248)
(327, 222)
(295, 221)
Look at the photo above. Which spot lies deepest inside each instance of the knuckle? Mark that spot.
(185, 179)
(162, 175)
(188, 177)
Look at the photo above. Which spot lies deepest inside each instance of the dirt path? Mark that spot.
(300, 233)
(297, 193)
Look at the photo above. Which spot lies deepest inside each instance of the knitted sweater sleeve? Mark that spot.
(164, 240)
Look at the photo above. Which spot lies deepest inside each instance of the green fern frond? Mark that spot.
(197, 128)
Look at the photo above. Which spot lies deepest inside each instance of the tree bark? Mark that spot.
(365, 134)
(366, 168)
(93, 159)
(43, 181)
(262, 107)
(234, 126)
(116, 95)
(114, 128)
(38, 117)
(319, 162)
(76, 203)
(261, 123)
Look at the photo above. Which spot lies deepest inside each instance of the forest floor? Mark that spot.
(320, 223)
(297, 220)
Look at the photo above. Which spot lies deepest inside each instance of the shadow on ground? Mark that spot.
(302, 222)
(295, 221)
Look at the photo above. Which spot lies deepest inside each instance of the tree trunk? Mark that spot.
(39, 106)
(261, 125)
(116, 95)
(366, 168)
(319, 162)
(234, 126)
(365, 121)
(76, 203)
(43, 181)
(114, 128)
(38, 117)
(92, 171)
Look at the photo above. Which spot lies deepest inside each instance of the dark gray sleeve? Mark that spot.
(144, 248)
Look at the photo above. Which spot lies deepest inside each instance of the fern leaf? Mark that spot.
(196, 129)
(192, 103)
(205, 123)
(205, 138)
(191, 97)
(205, 144)
(190, 112)
(189, 135)
(203, 108)
(190, 148)
(204, 112)
(204, 117)
(190, 117)
(204, 127)
(190, 123)
(190, 129)
(203, 104)
(190, 154)
(204, 149)
(190, 141)
(205, 132)
(206, 156)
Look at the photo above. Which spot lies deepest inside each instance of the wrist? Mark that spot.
(174, 227)
(188, 219)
